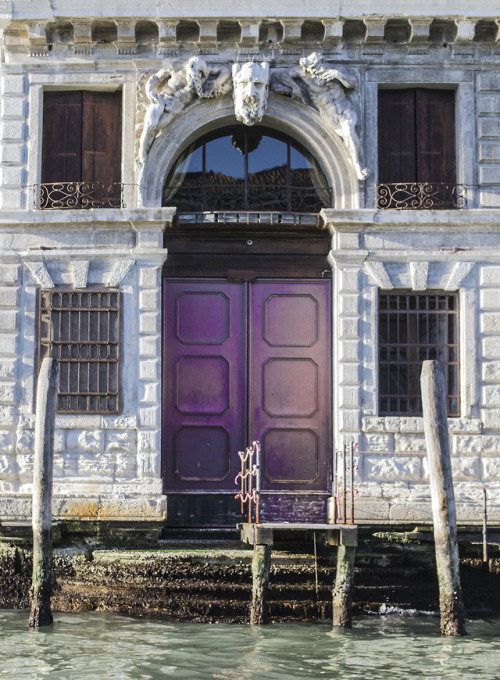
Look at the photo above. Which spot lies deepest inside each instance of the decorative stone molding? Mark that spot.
(333, 32)
(292, 31)
(208, 32)
(80, 272)
(374, 31)
(419, 272)
(420, 31)
(119, 271)
(82, 33)
(125, 40)
(465, 31)
(40, 274)
(167, 33)
(458, 274)
(298, 120)
(378, 274)
(249, 34)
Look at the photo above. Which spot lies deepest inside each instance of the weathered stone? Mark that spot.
(391, 467)
(123, 440)
(149, 322)
(379, 442)
(25, 441)
(490, 469)
(490, 323)
(85, 440)
(6, 441)
(409, 443)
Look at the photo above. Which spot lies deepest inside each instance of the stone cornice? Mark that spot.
(140, 219)
(435, 220)
(160, 9)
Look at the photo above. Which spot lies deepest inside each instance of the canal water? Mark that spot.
(95, 646)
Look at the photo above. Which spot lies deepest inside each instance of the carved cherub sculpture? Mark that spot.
(325, 88)
(250, 91)
(173, 88)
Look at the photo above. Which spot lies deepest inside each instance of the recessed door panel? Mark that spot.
(290, 406)
(204, 390)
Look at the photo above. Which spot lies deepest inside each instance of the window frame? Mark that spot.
(383, 77)
(46, 82)
(413, 364)
(46, 343)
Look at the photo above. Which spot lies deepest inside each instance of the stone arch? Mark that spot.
(297, 120)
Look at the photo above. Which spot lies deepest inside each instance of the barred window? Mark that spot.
(413, 328)
(81, 331)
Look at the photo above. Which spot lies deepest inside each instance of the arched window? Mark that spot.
(242, 168)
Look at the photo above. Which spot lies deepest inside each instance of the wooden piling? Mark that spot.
(261, 563)
(46, 404)
(443, 501)
(342, 591)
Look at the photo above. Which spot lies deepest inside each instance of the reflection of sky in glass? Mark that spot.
(298, 160)
(269, 154)
(193, 163)
(223, 158)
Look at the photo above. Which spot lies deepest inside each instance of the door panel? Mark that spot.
(204, 392)
(290, 402)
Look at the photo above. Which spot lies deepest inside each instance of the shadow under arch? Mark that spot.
(299, 121)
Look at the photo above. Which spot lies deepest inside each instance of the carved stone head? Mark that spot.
(250, 90)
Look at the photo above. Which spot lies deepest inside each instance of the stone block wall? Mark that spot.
(105, 466)
(488, 131)
(391, 477)
(13, 138)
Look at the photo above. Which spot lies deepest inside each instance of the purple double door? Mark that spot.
(245, 361)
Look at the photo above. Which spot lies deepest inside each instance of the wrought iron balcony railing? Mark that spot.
(74, 195)
(240, 197)
(420, 196)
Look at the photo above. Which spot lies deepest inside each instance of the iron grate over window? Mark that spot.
(81, 331)
(413, 328)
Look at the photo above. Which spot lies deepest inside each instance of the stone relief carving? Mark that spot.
(171, 89)
(250, 91)
(324, 88)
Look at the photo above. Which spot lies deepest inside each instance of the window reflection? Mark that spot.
(242, 168)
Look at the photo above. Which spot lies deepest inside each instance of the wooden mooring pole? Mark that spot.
(342, 590)
(46, 403)
(443, 501)
(261, 563)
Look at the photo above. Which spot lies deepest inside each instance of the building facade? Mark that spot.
(235, 223)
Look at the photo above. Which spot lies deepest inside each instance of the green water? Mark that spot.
(104, 646)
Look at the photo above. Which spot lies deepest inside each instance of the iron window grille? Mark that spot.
(81, 330)
(413, 328)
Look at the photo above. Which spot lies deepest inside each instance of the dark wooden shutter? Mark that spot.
(396, 136)
(435, 116)
(62, 135)
(81, 137)
(101, 139)
(416, 140)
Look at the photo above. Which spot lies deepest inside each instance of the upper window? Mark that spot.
(413, 328)
(81, 150)
(241, 168)
(416, 149)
